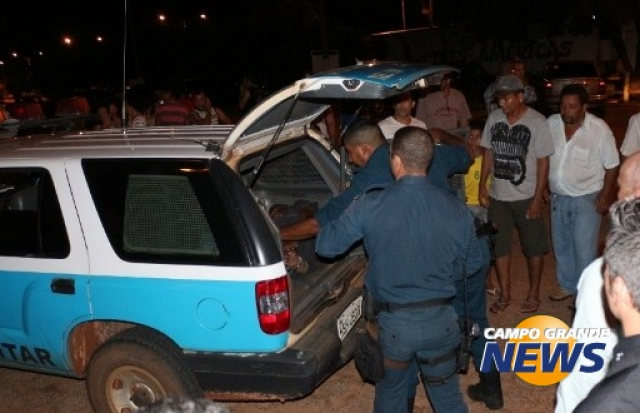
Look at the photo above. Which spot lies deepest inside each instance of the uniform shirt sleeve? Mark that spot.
(479, 255)
(473, 252)
(338, 235)
(376, 172)
(338, 204)
(448, 160)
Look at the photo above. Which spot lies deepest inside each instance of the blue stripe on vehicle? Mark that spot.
(197, 314)
(35, 323)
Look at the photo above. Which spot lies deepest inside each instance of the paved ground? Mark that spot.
(22, 392)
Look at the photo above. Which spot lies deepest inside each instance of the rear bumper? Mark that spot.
(291, 373)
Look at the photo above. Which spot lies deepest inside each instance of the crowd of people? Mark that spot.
(429, 268)
(165, 104)
(514, 165)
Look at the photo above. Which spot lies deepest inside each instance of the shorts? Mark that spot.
(506, 215)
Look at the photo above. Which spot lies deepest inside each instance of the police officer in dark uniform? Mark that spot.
(369, 153)
(419, 238)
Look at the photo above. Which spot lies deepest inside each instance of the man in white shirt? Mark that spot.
(582, 174)
(590, 310)
(631, 143)
(402, 106)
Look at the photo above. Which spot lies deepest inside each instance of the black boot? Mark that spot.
(488, 390)
(410, 402)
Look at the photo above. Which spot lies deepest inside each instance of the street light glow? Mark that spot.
(67, 40)
(161, 17)
(203, 16)
(99, 38)
(14, 54)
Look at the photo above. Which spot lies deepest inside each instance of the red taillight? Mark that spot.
(602, 87)
(547, 88)
(272, 299)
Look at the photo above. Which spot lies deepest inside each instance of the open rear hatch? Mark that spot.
(304, 171)
(302, 102)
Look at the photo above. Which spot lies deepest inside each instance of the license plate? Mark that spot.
(349, 318)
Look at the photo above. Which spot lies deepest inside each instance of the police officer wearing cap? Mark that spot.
(420, 239)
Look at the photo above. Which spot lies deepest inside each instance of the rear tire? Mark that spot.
(135, 368)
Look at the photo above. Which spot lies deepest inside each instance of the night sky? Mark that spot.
(269, 40)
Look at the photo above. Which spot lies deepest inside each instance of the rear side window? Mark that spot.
(163, 211)
(162, 215)
(31, 222)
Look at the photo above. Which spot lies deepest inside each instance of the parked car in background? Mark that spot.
(562, 73)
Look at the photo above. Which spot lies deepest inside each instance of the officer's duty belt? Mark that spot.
(391, 307)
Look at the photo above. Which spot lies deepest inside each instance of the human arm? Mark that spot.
(610, 161)
(338, 235)
(302, 230)
(441, 136)
(116, 120)
(485, 171)
(542, 180)
(607, 194)
(631, 142)
(333, 126)
(308, 228)
(223, 117)
(195, 119)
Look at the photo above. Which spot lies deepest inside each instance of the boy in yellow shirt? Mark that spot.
(472, 183)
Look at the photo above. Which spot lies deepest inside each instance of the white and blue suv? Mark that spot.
(146, 262)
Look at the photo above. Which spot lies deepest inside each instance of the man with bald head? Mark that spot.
(368, 151)
(590, 307)
(416, 257)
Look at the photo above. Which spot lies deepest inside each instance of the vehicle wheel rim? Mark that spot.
(129, 387)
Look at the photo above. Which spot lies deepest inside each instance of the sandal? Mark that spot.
(530, 306)
(494, 292)
(498, 307)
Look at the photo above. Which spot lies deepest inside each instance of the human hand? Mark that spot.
(535, 208)
(546, 196)
(483, 196)
(603, 202)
